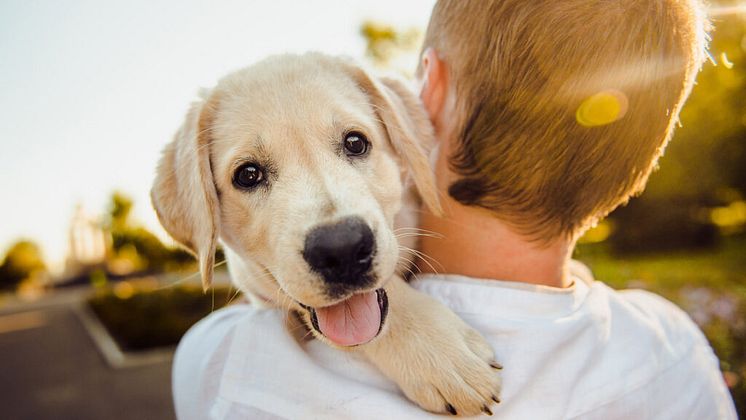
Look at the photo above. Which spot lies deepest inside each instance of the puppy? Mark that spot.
(300, 167)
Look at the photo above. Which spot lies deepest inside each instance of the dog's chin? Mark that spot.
(352, 321)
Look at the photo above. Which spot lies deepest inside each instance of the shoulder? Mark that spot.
(210, 334)
(200, 359)
(660, 316)
(647, 326)
(659, 354)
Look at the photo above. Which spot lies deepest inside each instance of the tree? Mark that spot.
(119, 210)
(135, 242)
(23, 261)
(386, 46)
(703, 170)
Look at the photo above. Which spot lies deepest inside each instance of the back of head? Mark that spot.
(563, 106)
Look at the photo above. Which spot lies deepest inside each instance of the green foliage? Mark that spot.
(705, 164)
(384, 43)
(22, 261)
(153, 254)
(119, 210)
(708, 153)
(155, 318)
(658, 224)
(137, 243)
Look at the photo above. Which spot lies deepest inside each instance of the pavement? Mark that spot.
(51, 369)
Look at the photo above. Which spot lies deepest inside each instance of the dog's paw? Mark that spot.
(457, 375)
(437, 360)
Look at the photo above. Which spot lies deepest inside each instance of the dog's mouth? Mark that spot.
(353, 321)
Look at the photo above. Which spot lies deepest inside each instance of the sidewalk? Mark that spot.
(51, 369)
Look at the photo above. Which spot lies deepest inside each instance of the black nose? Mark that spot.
(342, 252)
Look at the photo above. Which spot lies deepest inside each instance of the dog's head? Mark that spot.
(297, 164)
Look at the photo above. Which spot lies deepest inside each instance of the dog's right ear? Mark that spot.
(407, 126)
(184, 194)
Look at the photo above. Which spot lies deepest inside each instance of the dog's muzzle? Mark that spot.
(353, 321)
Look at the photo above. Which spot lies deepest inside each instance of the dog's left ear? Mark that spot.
(408, 127)
(184, 194)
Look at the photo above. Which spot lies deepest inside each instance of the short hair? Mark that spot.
(523, 74)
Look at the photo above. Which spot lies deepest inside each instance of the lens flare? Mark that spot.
(736, 9)
(602, 108)
(726, 63)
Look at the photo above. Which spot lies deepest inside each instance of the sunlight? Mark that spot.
(727, 10)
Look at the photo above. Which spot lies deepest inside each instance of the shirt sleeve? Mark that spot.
(199, 361)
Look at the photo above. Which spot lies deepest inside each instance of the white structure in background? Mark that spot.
(87, 241)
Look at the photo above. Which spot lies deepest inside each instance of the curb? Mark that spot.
(114, 356)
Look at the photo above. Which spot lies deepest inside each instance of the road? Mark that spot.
(51, 369)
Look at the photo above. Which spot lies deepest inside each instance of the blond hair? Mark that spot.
(524, 70)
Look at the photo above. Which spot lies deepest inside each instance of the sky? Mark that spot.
(93, 90)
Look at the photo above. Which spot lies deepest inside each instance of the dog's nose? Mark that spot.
(342, 252)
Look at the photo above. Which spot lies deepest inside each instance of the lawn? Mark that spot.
(710, 285)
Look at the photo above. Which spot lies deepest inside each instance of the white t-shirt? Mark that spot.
(586, 352)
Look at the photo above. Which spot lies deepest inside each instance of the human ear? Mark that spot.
(434, 84)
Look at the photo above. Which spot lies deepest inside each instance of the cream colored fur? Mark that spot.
(292, 112)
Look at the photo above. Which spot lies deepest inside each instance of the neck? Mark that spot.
(460, 246)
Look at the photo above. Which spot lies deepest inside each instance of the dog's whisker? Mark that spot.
(188, 277)
(409, 270)
(309, 332)
(424, 258)
(179, 281)
(413, 231)
(235, 296)
(411, 228)
(409, 263)
(411, 235)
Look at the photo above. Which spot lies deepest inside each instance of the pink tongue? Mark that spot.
(351, 322)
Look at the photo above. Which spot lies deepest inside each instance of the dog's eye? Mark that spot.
(356, 144)
(247, 176)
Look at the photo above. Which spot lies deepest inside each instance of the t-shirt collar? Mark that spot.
(506, 299)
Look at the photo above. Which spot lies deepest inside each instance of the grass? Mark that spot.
(710, 285)
(722, 269)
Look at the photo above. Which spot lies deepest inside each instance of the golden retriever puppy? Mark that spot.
(301, 166)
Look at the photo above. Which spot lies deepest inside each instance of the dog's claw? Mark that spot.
(451, 409)
(495, 399)
(496, 365)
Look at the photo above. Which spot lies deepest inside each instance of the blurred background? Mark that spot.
(94, 295)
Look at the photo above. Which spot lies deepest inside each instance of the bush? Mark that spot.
(655, 225)
(155, 318)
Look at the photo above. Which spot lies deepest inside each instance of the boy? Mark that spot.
(549, 114)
